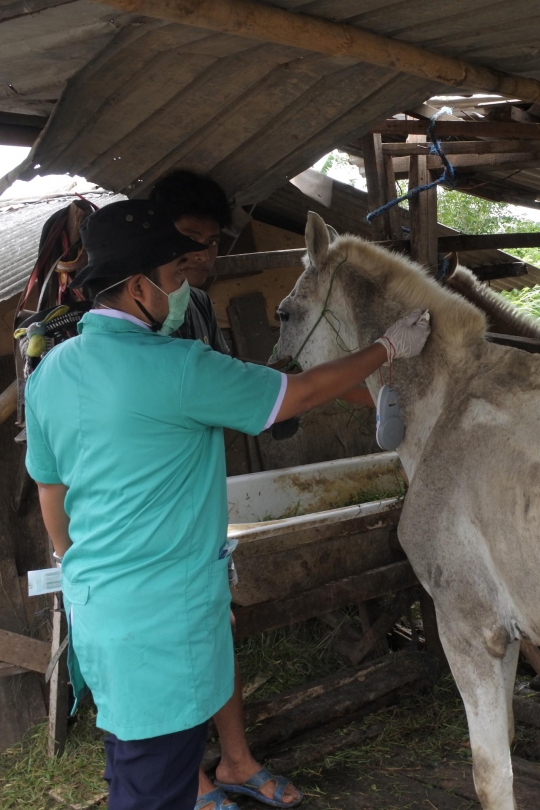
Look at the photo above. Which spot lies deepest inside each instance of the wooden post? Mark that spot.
(423, 212)
(376, 183)
(266, 23)
(391, 191)
(253, 339)
(8, 401)
(58, 685)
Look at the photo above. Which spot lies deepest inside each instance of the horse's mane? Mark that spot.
(453, 318)
(505, 317)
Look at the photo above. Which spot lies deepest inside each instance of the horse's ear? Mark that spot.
(454, 261)
(447, 267)
(332, 233)
(317, 239)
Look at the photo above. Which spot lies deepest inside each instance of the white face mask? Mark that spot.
(178, 303)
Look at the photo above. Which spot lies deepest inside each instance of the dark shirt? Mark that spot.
(201, 323)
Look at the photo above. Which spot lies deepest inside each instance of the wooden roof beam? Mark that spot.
(252, 20)
(493, 161)
(18, 136)
(462, 147)
(492, 272)
(488, 241)
(20, 130)
(467, 129)
(490, 188)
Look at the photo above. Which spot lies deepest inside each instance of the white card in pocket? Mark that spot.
(46, 580)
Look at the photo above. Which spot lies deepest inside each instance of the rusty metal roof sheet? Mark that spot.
(20, 231)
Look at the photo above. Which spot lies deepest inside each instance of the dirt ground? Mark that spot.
(399, 785)
(414, 754)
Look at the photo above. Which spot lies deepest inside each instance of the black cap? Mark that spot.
(129, 237)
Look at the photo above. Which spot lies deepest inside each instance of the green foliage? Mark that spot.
(469, 214)
(527, 300)
(474, 215)
(337, 160)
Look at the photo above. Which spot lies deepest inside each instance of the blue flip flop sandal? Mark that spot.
(252, 787)
(218, 796)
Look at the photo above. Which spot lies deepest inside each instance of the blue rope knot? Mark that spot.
(448, 175)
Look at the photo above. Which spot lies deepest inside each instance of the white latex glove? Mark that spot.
(407, 337)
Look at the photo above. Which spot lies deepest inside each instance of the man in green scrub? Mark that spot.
(200, 209)
(125, 441)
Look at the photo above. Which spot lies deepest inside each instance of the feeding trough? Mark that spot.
(302, 527)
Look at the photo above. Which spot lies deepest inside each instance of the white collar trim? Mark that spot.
(118, 313)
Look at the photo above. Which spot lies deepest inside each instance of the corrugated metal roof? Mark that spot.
(146, 96)
(20, 231)
(42, 45)
(255, 114)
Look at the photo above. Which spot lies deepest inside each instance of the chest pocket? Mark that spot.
(219, 593)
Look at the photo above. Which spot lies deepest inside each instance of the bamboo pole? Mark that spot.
(246, 18)
(8, 401)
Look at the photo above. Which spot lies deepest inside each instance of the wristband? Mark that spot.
(388, 345)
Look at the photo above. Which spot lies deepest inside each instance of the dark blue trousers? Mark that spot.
(160, 773)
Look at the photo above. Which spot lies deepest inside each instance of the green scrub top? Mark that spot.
(131, 422)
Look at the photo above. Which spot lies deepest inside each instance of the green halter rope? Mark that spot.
(324, 314)
(294, 362)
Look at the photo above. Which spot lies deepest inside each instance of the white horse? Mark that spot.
(470, 523)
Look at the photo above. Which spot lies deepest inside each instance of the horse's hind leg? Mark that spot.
(486, 684)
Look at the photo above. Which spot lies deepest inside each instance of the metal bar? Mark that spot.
(527, 344)
(245, 264)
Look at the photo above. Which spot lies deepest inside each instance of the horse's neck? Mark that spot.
(422, 396)
(424, 386)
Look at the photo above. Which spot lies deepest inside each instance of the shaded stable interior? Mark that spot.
(121, 99)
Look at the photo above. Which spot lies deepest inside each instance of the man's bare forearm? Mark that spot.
(329, 381)
(51, 500)
(359, 396)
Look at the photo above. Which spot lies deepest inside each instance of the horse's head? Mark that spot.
(352, 290)
(334, 307)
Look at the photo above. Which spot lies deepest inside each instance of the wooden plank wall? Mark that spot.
(22, 696)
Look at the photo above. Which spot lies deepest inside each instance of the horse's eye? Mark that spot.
(282, 315)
